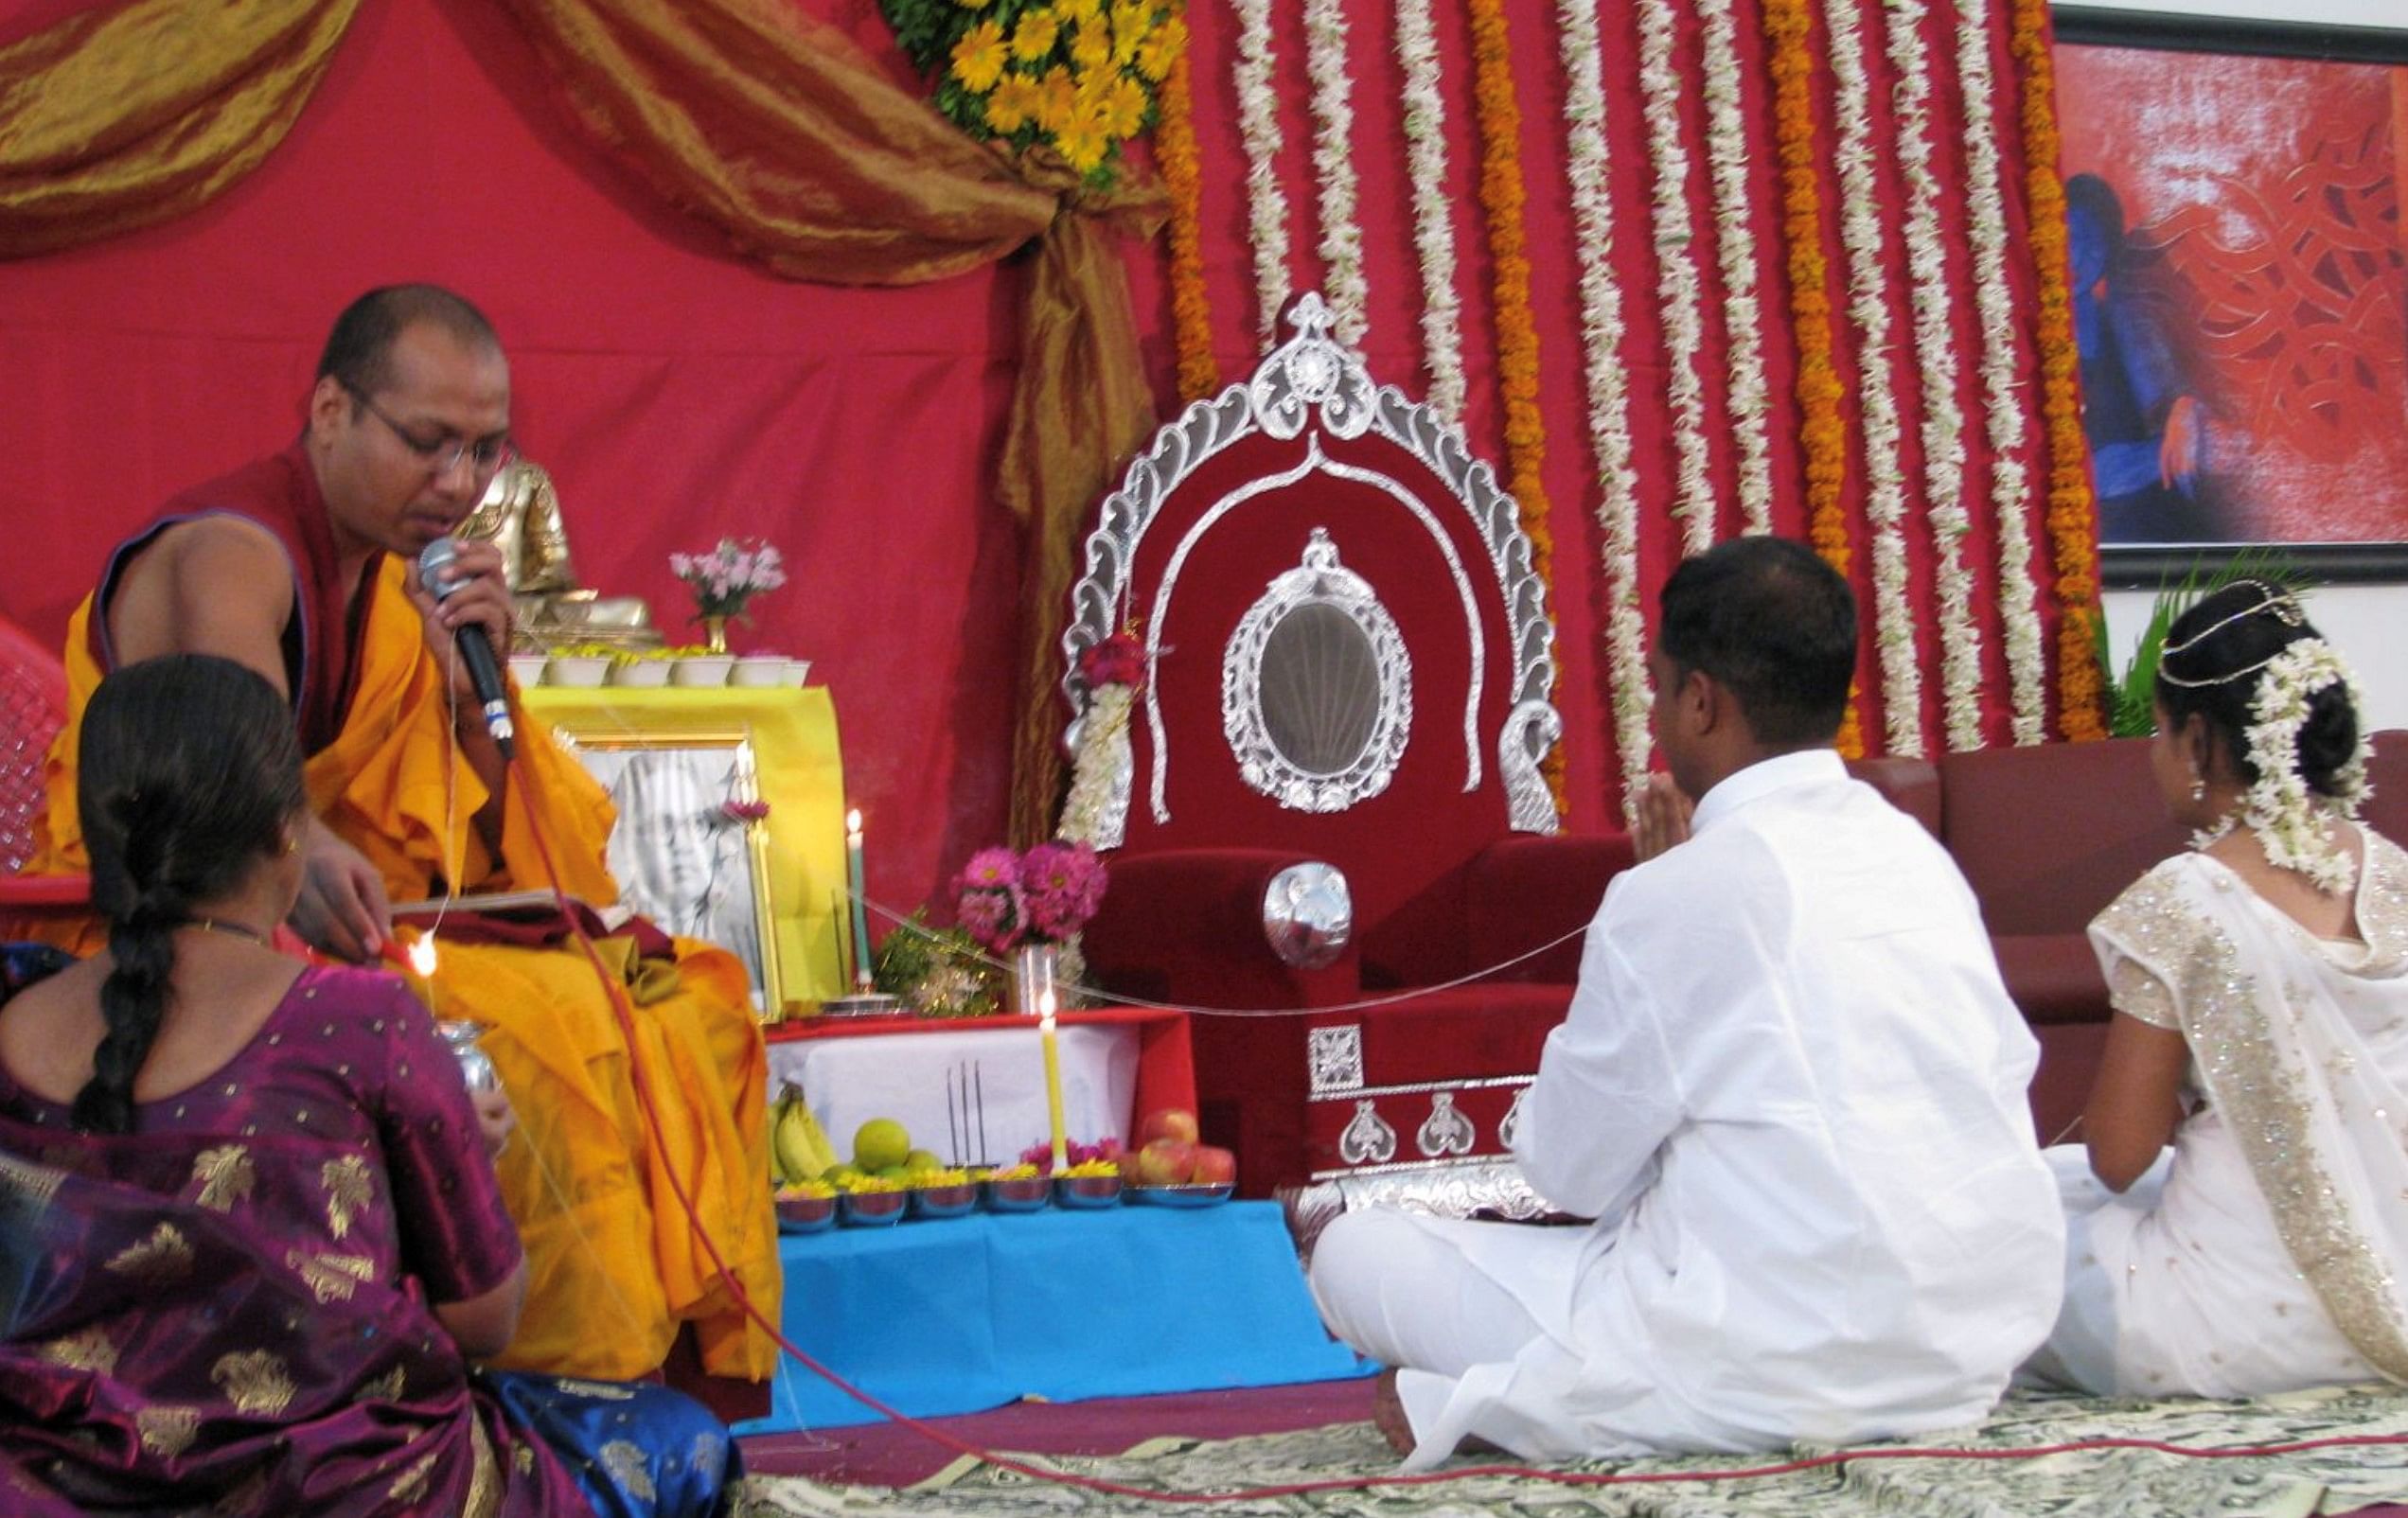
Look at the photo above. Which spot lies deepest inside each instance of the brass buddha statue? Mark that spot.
(521, 514)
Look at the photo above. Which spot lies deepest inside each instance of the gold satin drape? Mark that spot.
(766, 123)
(126, 116)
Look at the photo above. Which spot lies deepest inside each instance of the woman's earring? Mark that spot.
(2198, 788)
(292, 841)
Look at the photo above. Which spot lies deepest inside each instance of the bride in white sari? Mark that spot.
(2261, 985)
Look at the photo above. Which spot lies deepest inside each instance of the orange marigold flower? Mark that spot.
(1014, 104)
(1125, 105)
(1160, 46)
(1057, 99)
(1035, 34)
(978, 58)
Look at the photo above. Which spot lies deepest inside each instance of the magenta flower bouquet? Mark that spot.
(1042, 896)
(730, 575)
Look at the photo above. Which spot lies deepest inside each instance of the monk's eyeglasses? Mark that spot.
(486, 457)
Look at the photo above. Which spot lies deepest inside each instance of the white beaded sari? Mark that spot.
(2272, 1253)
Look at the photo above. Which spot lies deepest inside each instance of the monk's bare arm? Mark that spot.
(220, 584)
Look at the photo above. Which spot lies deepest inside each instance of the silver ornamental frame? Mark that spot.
(1309, 385)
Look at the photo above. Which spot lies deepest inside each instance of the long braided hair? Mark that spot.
(189, 773)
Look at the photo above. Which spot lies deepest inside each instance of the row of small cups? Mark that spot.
(704, 670)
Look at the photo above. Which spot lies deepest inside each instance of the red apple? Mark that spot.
(1171, 1123)
(1165, 1162)
(1214, 1166)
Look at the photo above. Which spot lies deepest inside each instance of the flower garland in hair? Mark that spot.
(1936, 353)
(2009, 482)
(1334, 162)
(1860, 229)
(2073, 522)
(1433, 213)
(1499, 119)
(1258, 126)
(1092, 813)
(1822, 428)
(1585, 156)
(1174, 151)
(1677, 275)
(1734, 221)
(2291, 822)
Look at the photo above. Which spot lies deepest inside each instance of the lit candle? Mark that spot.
(862, 977)
(1052, 1080)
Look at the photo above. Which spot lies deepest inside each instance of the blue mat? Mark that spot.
(959, 1315)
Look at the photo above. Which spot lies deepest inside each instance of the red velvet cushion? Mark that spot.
(1912, 786)
(1527, 892)
(2052, 977)
(2048, 835)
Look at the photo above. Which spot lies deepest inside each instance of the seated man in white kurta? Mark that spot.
(1790, 1090)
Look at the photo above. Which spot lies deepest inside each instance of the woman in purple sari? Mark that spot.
(250, 1237)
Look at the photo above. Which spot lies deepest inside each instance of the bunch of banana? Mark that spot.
(799, 1149)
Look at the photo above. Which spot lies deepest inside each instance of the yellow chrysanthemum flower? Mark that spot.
(1160, 50)
(1082, 141)
(1057, 99)
(1014, 104)
(1123, 107)
(1131, 25)
(1034, 37)
(978, 58)
(1081, 11)
(974, 5)
(1090, 47)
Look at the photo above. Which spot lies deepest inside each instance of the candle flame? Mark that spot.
(1045, 1003)
(853, 820)
(422, 956)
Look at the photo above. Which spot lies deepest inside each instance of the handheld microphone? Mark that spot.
(476, 649)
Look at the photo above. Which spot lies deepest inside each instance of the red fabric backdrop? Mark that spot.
(677, 393)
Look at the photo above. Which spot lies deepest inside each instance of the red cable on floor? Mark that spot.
(637, 1076)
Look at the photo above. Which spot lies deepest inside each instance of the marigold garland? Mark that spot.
(1499, 119)
(1175, 151)
(1823, 430)
(2073, 524)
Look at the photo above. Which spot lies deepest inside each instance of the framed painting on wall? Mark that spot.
(2241, 287)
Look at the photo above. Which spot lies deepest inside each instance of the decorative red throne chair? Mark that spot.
(1329, 815)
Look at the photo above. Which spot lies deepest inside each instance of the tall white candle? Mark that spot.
(862, 975)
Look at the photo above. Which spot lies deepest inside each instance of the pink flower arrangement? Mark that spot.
(1042, 896)
(731, 574)
(1119, 660)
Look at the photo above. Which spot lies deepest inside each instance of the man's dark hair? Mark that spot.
(359, 352)
(1773, 625)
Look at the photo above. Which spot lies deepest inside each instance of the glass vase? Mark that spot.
(1033, 970)
(715, 633)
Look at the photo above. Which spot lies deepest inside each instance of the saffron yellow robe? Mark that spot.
(614, 1266)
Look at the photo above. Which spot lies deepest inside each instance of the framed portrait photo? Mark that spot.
(2234, 204)
(688, 852)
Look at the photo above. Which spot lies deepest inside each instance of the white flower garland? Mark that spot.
(1585, 162)
(1334, 162)
(1676, 274)
(2290, 820)
(1433, 213)
(1734, 231)
(2009, 481)
(1943, 421)
(1095, 811)
(1884, 505)
(1258, 124)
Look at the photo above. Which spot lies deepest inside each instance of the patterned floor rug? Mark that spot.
(2112, 1483)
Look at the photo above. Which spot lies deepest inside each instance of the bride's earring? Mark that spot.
(2198, 788)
